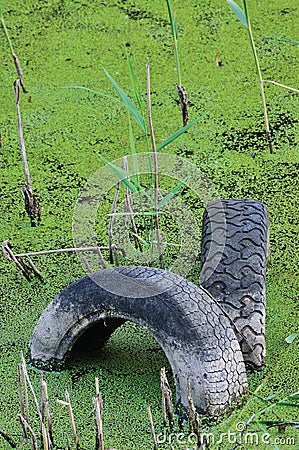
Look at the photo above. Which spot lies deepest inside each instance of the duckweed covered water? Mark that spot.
(64, 43)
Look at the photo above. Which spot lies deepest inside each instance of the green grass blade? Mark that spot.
(172, 24)
(290, 339)
(172, 193)
(238, 12)
(121, 174)
(178, 133)
(127, 102)
(135, 84)
(175, 35)
(175, 26)
(91, 90)
(294, 396)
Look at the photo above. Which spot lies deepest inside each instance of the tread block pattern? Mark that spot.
(236, 278)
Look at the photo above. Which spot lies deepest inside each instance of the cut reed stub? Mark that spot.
(182, 93)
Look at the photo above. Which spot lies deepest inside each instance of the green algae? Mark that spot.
(63, 43)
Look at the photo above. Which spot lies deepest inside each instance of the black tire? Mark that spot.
(236, 275)
(186, 321)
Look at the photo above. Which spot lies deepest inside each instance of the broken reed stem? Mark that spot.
(98, 402)
(9, 255)
(45, 438)
(24, 368)
(62, 250)
(102, 260)
(167, 403)
(46, 409)
(68, 443)
(281, 85)
(111, 221)
(21, 399)
(26, 395)
(149, 411)
(72, 420)
(21, 136)
(13, 54)
(31, 204)
(26, 425)
(8, 439)
(261, 82)
(164, 411)
(115, 255)
(156, 186)
(194, 420)
(130, 208)
(34, 268)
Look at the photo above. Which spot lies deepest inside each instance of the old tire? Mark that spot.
(186, 321)
(236, 275)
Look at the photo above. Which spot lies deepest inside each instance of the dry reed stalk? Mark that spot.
(26, 425)
(13, 54)
(156, 169)
(111, 221)
(9, 255)
(72, 420)
(194, 419)
(31, 203)
(26, 376)
(167, 403)
(115, 255)
(34, 268)
(27, 269)
(21, 399)
(98, 402)
(68, 443)
(149, 411)
(128, 204)
(46, 408)
(102, 260)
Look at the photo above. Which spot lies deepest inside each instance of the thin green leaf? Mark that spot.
(294, 396)
(172, 193)
(143, 241)
(121, 174)
(175, 25)
(135, 84)
(178, 133)
(290, 339)
(172, 24)
(278, 404)
(238, 12)
(91, 90)
(127, 102)
(270, 397)
(276, 422)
